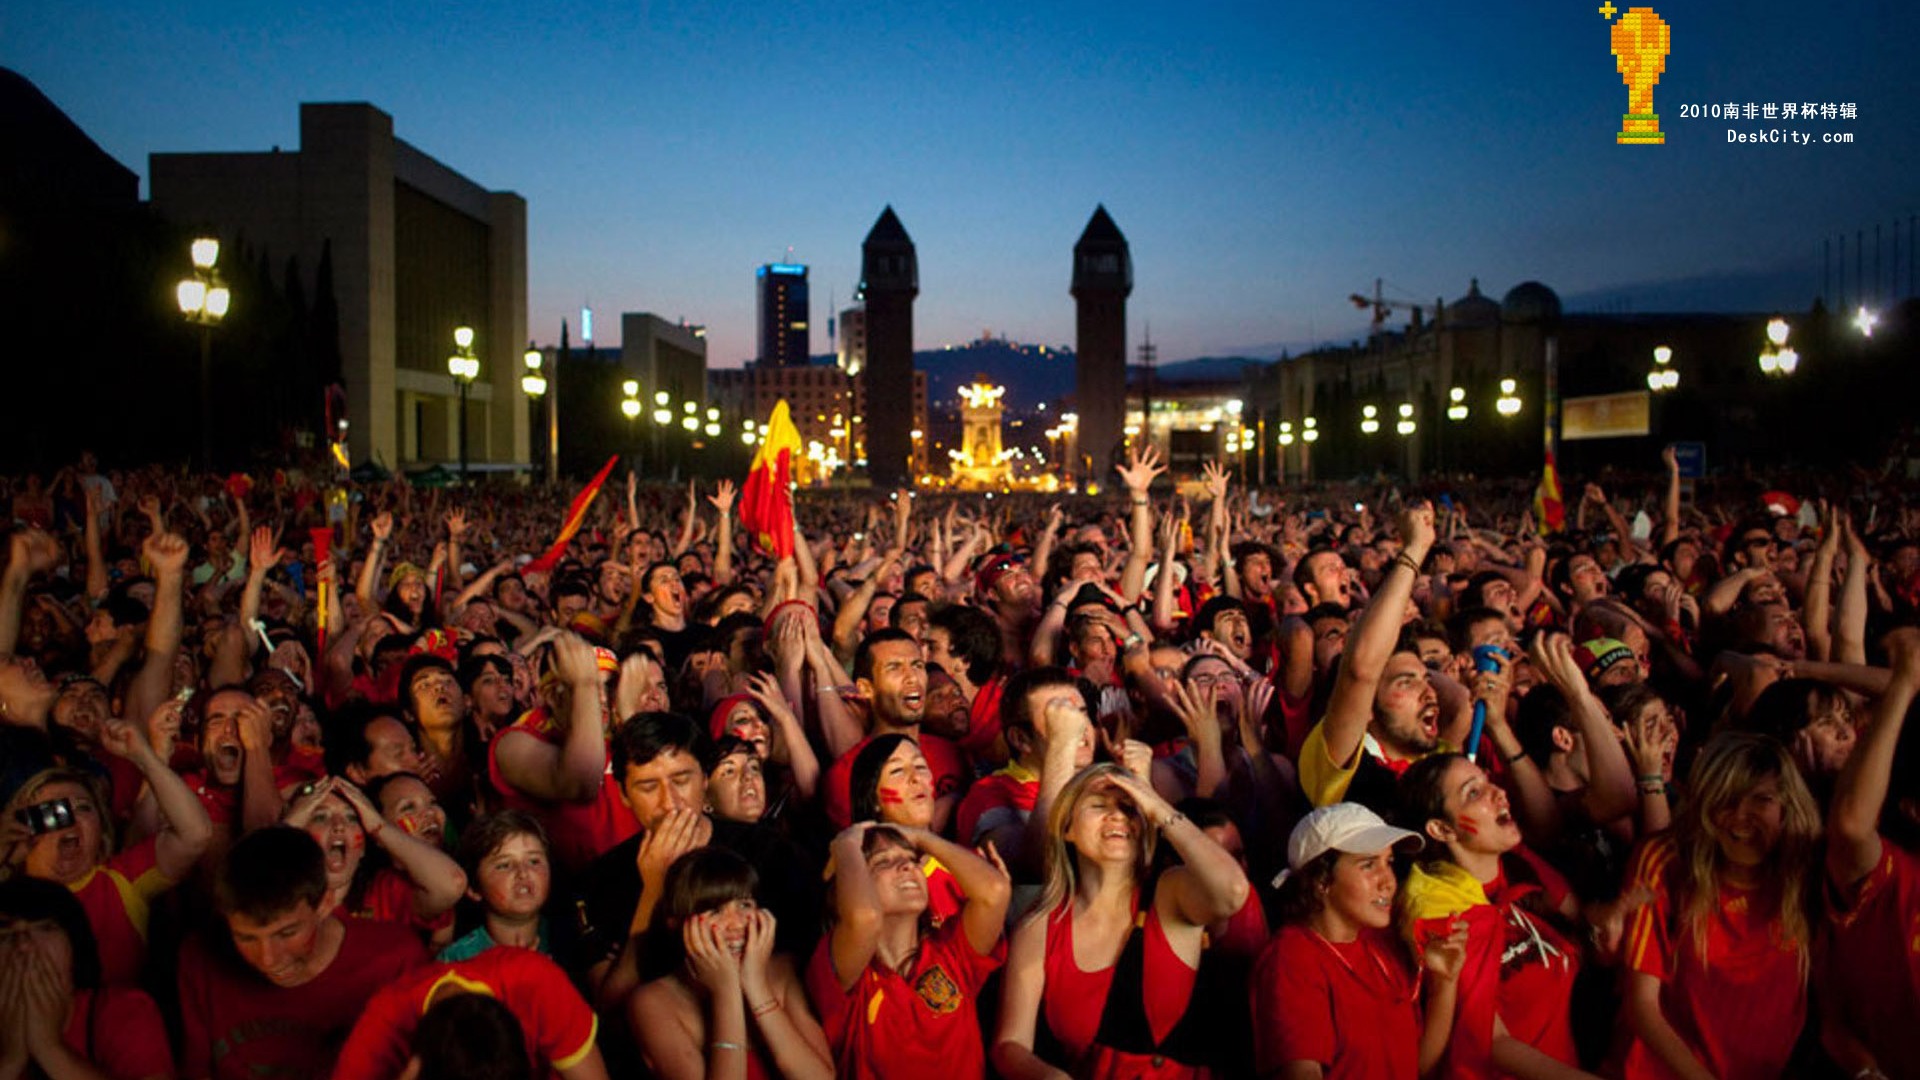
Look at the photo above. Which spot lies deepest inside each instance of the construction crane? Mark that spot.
(1382, 306)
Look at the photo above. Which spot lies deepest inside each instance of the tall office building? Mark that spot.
(783, 315)
(1102, 280)
(889, 282)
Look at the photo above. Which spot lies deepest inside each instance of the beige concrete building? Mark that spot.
(415, 249)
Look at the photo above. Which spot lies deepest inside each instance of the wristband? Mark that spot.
(767, 1006)
(1406, 560)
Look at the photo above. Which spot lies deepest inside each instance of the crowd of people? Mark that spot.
(1180, 781)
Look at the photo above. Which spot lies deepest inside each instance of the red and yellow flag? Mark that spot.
(1548, 509)
(766, 499)
(576, 514)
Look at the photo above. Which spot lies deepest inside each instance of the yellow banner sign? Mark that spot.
(1605, 416)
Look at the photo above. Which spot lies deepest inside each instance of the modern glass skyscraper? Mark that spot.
(783, 315)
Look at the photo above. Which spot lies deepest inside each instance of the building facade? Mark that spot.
(781, 289)
(413, 250)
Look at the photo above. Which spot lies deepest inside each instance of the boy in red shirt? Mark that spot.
(302, 975)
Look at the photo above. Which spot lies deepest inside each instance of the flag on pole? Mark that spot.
(1548, 509)
(576, 515)
(766, 499)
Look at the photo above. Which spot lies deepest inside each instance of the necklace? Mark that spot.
(1386, 976)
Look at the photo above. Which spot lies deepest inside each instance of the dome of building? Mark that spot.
(1473, 310)
(1528, 302)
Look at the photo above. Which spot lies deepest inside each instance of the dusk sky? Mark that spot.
(1264, 160)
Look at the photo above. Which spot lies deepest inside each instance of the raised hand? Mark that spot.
(123, 740)
(1552, 654)
(456, 524)
(383, 527)
(1141, 467)
(713, 964)
(1416, 526)
(1445, 957)
(165, 552)
(263, 549)
(723, 496)
(35, 550)
(1213, 477)
(574, 661)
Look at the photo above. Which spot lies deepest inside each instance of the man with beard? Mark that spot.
(281, 1001)
(1323, 577)
(236, 782)
(1385, 711)
(1009, 593)
(891, 675)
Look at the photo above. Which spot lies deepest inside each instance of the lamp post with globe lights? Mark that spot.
(1776, 359)
(1664, 375)
(204, 300)
(536, 385)
(464, 366)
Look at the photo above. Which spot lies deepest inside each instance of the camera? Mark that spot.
(47, 816)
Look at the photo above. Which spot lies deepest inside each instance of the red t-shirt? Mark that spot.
(235, 1024)
(1537, 969)
(949, 776)
(890, 1026)
(558, 1025)
(118, 896)
(580, 831)
(983, 718)
(119, 1030)
(1349, 1006)
(1870, 969)
(389, 897)
(1741, 1010)
(1002, 798)
(222, 803)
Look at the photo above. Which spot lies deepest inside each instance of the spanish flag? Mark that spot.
(766, 500)
(1548, 509)
(576, 515)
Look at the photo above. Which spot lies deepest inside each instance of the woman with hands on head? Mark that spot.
(896, 996)
(1110, 953)
(419, 889)
(726, 1006)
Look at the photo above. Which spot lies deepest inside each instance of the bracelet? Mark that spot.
(767, 1006)
(717, 1045)
(1173, 819)
(1406, 560)
(1139, 502)
(1654, 778)
(1652, 788)
(1506, 758)
(1132, 642)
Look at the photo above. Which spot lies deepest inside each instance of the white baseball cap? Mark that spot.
(1346, 827)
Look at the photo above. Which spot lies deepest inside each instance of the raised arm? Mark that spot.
(1817, 613)
(32, 552)
(438, 881)
(1611, 792)
(186, 831)
(167, 554)
(1209, 885)
(96, 561)
(574, 770)
(1138, 475)
(370, 570)
(1350, 707)
(987, 888)
(1850, 631)
(1853, 817)
(1670, 528)
(856, 933)
(722, 500)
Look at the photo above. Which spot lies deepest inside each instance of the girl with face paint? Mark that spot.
(416, 884)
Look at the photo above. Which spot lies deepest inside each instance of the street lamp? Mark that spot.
(630, 404)
(464, 366)
(1369, 420)
(1405, 426)
(1865, 321)
(535, 385)
(1508, 403)
(1775, 358)
(1456, 404)
(1663, 377)
(204, 301)
(1310, 433)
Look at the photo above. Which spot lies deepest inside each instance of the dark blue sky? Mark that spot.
(1265, 160)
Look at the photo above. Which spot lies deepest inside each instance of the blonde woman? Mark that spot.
(1111, 953)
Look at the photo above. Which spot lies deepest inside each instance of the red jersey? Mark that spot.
(949, 776)
(1350, 1006)
(1740, 1010)
(1870, 969)
(983, 719)
(389, 897)
(235, 1025)
(580, 831)
(119, 1030)
(118, 896)
(1002, 798)
(893, 1026)
(558, 1024)
(1075, 999)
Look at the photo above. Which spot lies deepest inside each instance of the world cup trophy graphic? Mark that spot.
(1641, 41)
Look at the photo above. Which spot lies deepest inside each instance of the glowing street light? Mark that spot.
(1369, 423)
(204, 301)
(1776, 360)
(1309, 432)
(1405, 425)
(1286, 433)
(1865, 321)
(1456, 404)
(464, 366)
(1508, 403)
(1663, 377)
